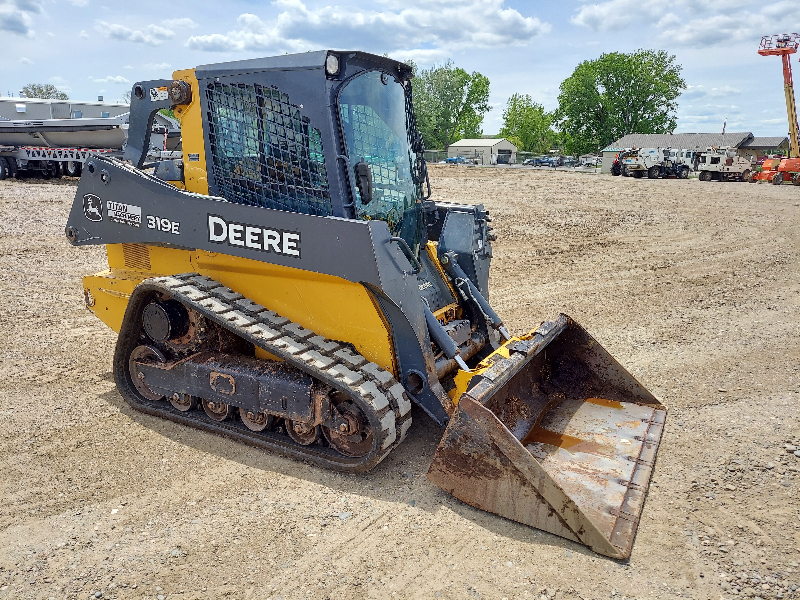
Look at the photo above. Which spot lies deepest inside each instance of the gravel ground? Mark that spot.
(692, 286)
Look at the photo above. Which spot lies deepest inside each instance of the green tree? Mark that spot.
(527, 125)
(449, 103)
(43, 90)
(618, 94)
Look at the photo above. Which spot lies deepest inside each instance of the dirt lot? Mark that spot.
(693, 286)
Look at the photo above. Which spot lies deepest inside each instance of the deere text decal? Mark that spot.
(256, 237)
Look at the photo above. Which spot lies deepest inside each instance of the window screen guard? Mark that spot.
(264, 152)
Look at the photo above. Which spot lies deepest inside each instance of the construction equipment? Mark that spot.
(617, 167)
(655, 162)
(723, 164)
(778, 170)
(289, 284)
(784, 45)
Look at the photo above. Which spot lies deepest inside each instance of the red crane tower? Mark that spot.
(784, 45)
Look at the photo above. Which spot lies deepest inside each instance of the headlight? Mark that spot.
(332, 65)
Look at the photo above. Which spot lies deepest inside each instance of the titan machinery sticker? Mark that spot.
(256, 237)
(92, 207)
(125, 213)
(159, 93)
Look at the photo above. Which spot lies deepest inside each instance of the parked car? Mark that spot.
(568, 161)
(455, 160)
(537, 161)
(593, 161)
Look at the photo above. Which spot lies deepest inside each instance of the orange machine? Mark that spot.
(784, 45)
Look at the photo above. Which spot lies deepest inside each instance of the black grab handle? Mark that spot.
(409, 254)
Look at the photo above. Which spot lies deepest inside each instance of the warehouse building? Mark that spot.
(490, 151)
(746, 144)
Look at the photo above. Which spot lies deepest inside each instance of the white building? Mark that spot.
(485, 151)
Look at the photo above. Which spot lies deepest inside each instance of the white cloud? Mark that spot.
(60, 83)
(711, 30)
(79, 2)
(157, 66)
(699, 91)
(184, 23)
(724, 90)
(83, 34)
(26, 61)
(153, 35)
(15, 16)
(434, 28)
(694, 23)
(422, 56)
(694, 90)
(110, 79)
(614, 14)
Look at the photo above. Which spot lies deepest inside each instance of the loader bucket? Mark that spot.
(557, 435)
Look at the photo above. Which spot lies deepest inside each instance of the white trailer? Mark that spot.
(61, 146)
(47, 162)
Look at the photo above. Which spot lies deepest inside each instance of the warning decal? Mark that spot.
(159, 93)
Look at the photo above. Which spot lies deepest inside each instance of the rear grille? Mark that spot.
(137, 256)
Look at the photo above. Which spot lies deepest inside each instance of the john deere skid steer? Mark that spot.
(288, 283)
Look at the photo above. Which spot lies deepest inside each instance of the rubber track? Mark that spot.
(379, 394)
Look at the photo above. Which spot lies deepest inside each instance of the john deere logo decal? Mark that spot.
(92, 207)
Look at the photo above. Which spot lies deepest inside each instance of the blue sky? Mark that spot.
(89, 48)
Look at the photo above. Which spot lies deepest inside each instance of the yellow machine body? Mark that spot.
(302, 296)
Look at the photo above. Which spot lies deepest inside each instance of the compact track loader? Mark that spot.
(289, 284)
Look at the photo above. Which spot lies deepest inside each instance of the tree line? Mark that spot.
(603, 100)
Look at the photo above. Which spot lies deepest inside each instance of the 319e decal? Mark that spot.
(162, 224)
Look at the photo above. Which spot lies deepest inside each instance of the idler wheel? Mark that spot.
(302, 433)
(353, 438)
(217, 411)
(144, 354)
(255, 421)
(183, 402)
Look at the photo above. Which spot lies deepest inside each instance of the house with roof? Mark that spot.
(746, 144)
(759, 147)
(487, 151)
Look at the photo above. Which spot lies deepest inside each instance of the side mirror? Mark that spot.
(364, 181)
